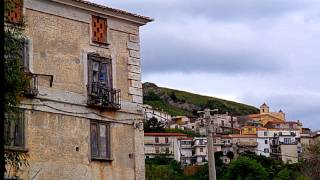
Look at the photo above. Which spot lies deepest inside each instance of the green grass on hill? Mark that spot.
(154, 96)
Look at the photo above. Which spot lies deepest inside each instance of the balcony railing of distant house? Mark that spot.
(32, 88)
(160, 152)
(186, 146)
(104, 97)
(247, 144)
(151, 142)
(288, 143)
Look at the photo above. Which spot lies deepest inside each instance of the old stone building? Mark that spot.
(81, 57)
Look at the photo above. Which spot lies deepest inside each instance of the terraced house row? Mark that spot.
(80, 116)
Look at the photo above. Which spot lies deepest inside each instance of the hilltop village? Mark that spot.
(267, 133)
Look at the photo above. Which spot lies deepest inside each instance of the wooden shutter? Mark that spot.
(25, 54)
(106, 69)
(19, 130)
(100, 140)
(94, 140)
(99, 30)
(15, 14)
(90, 72)
(108, 144)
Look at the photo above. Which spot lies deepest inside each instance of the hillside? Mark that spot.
(177, 102)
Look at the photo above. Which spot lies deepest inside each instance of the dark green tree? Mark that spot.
(245, 168)
(173, 96)
(151, 96)
(230, 155)
(153, 125)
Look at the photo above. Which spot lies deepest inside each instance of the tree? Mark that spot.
(173, 96)
(164, 170)
(311, 163)
(230, 155)
(153, 125)
(15, 82)
(245, 168)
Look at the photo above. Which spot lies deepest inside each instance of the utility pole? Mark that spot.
(212, 166)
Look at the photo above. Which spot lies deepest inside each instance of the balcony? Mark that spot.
(164, 143)
(104, 97)
(31, 89)
(289, 143)
(200, 144)
(186, 146)
(247, 144)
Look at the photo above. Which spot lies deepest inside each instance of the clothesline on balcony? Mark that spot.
(120, 121)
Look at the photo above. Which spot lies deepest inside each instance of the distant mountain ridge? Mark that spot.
(176, 102)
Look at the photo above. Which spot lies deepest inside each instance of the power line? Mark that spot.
(86, 113)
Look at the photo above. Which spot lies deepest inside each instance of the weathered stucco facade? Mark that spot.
(58, 118)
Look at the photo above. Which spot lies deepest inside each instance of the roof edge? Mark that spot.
(108, 11)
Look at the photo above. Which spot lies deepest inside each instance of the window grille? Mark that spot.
(99, 30)
(15, 13)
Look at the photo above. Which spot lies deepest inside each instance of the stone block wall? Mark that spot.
(59, 148)
(58, 119)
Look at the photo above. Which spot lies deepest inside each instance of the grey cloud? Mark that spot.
(170, 55)
(217, 9)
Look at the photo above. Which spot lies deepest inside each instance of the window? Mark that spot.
(100, 70)
(203, 159)
(100, 140)
(14, 127)
(100, 88)
(15, 14)
(265, 141)
(167, 140)
(266, 150)
(201, 149)
(167, 150)
(200, 141)
(222, 123)
(156, 139)
(99, 30)
(157, 149)
(265, 133)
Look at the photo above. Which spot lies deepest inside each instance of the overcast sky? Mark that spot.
(250, 51)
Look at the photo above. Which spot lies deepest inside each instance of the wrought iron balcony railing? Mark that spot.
(31, 89)
(104, 97)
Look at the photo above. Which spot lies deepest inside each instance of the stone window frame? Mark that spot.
(108, 156)
(22, 122)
